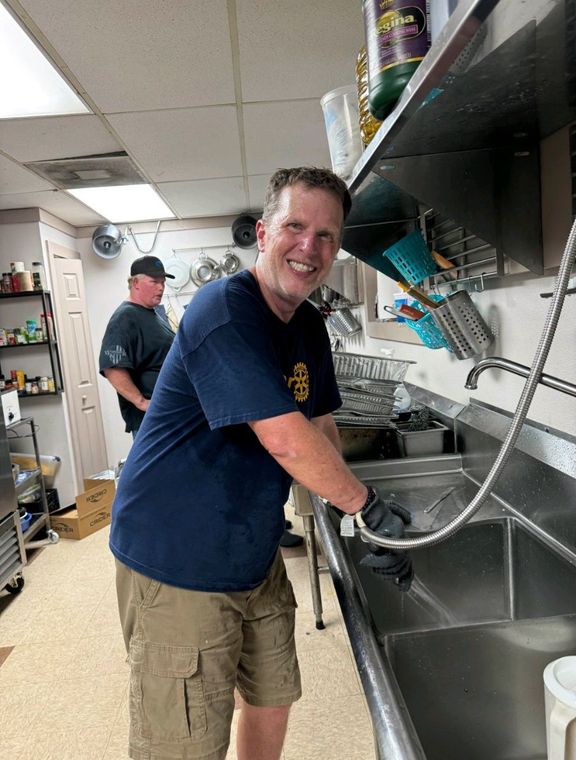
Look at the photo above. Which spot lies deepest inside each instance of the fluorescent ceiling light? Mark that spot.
(29, 84)
(124, 203)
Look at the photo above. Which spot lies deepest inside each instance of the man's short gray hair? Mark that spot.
(310, 176)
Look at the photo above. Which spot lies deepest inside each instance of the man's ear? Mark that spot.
(260, 234)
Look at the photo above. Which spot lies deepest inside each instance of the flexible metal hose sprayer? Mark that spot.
(552, 317)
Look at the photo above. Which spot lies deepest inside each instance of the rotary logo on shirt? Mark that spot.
(300, 382)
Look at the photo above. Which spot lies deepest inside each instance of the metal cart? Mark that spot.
(42, 519)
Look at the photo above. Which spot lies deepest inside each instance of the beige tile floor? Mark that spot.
(63, 676)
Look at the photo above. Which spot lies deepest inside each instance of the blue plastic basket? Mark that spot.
(412, 258)
(25, 521)
(426, 329)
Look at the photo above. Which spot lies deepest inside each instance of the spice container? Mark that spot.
(47, 326)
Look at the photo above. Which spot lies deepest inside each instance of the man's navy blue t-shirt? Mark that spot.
(200, 501)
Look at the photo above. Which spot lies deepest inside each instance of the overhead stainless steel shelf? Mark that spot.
(464, 137)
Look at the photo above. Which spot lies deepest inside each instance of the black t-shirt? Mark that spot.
(136, 339)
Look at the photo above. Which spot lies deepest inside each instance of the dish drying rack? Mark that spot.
(367, 385)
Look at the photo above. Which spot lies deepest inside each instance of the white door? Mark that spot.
(78, 368)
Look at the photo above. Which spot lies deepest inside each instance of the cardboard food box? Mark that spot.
(97, 494)
(92, 510)
(68, 523)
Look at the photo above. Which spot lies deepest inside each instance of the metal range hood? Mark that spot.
(464, 138)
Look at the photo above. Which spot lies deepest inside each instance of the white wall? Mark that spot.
(106, 288)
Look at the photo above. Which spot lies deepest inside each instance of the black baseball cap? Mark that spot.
(149, 265)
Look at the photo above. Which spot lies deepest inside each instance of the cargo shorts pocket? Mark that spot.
(166, 693)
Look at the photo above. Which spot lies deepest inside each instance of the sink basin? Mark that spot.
(489, 609)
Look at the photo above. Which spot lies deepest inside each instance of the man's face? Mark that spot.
(298, 245)
(148, 291)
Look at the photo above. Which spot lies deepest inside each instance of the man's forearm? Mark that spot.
(327, 426)
(306, 453)
(124, 385)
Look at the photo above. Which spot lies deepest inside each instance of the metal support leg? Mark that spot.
(303, 508)
(312, 555)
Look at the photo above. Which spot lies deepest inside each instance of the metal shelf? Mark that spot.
(464, 137)
(30, 477)
(29, 345)
(24, 294)
(41, 520)
(51, 343)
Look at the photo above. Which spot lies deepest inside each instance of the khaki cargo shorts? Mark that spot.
(188, 650)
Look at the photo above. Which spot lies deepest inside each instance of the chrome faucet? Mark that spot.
(517, 369)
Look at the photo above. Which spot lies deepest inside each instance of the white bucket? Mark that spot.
(560, 700)
(341, 117)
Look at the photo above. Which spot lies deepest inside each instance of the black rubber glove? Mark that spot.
(388, 519)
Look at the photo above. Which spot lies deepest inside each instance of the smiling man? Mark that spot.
(242, 406)
(137, 341)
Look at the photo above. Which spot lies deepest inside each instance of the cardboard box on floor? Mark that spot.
(92, 510)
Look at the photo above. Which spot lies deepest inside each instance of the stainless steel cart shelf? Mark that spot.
(42, 520)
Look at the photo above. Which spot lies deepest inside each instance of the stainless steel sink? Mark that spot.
(489, 571)
(490, 607)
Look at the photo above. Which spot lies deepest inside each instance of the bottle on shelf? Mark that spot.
(38, 275)
(7, 286)
(397, 39)
(47, 326)
(368, 124)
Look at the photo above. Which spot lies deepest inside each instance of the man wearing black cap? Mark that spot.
(137, 341)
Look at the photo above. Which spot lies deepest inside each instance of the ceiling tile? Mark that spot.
(142, 56)
(15, 179)
(207, 197)
(55, 137)
(257, 189)
(187, 144)
(299, 49)
(57, 202)
(298, 136)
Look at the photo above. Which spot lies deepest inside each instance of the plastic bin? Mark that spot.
(25, 521)
(52, 499)
(560, 705)
(412, 258)
(426, 329)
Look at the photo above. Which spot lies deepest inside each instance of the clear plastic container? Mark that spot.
(340, 108)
